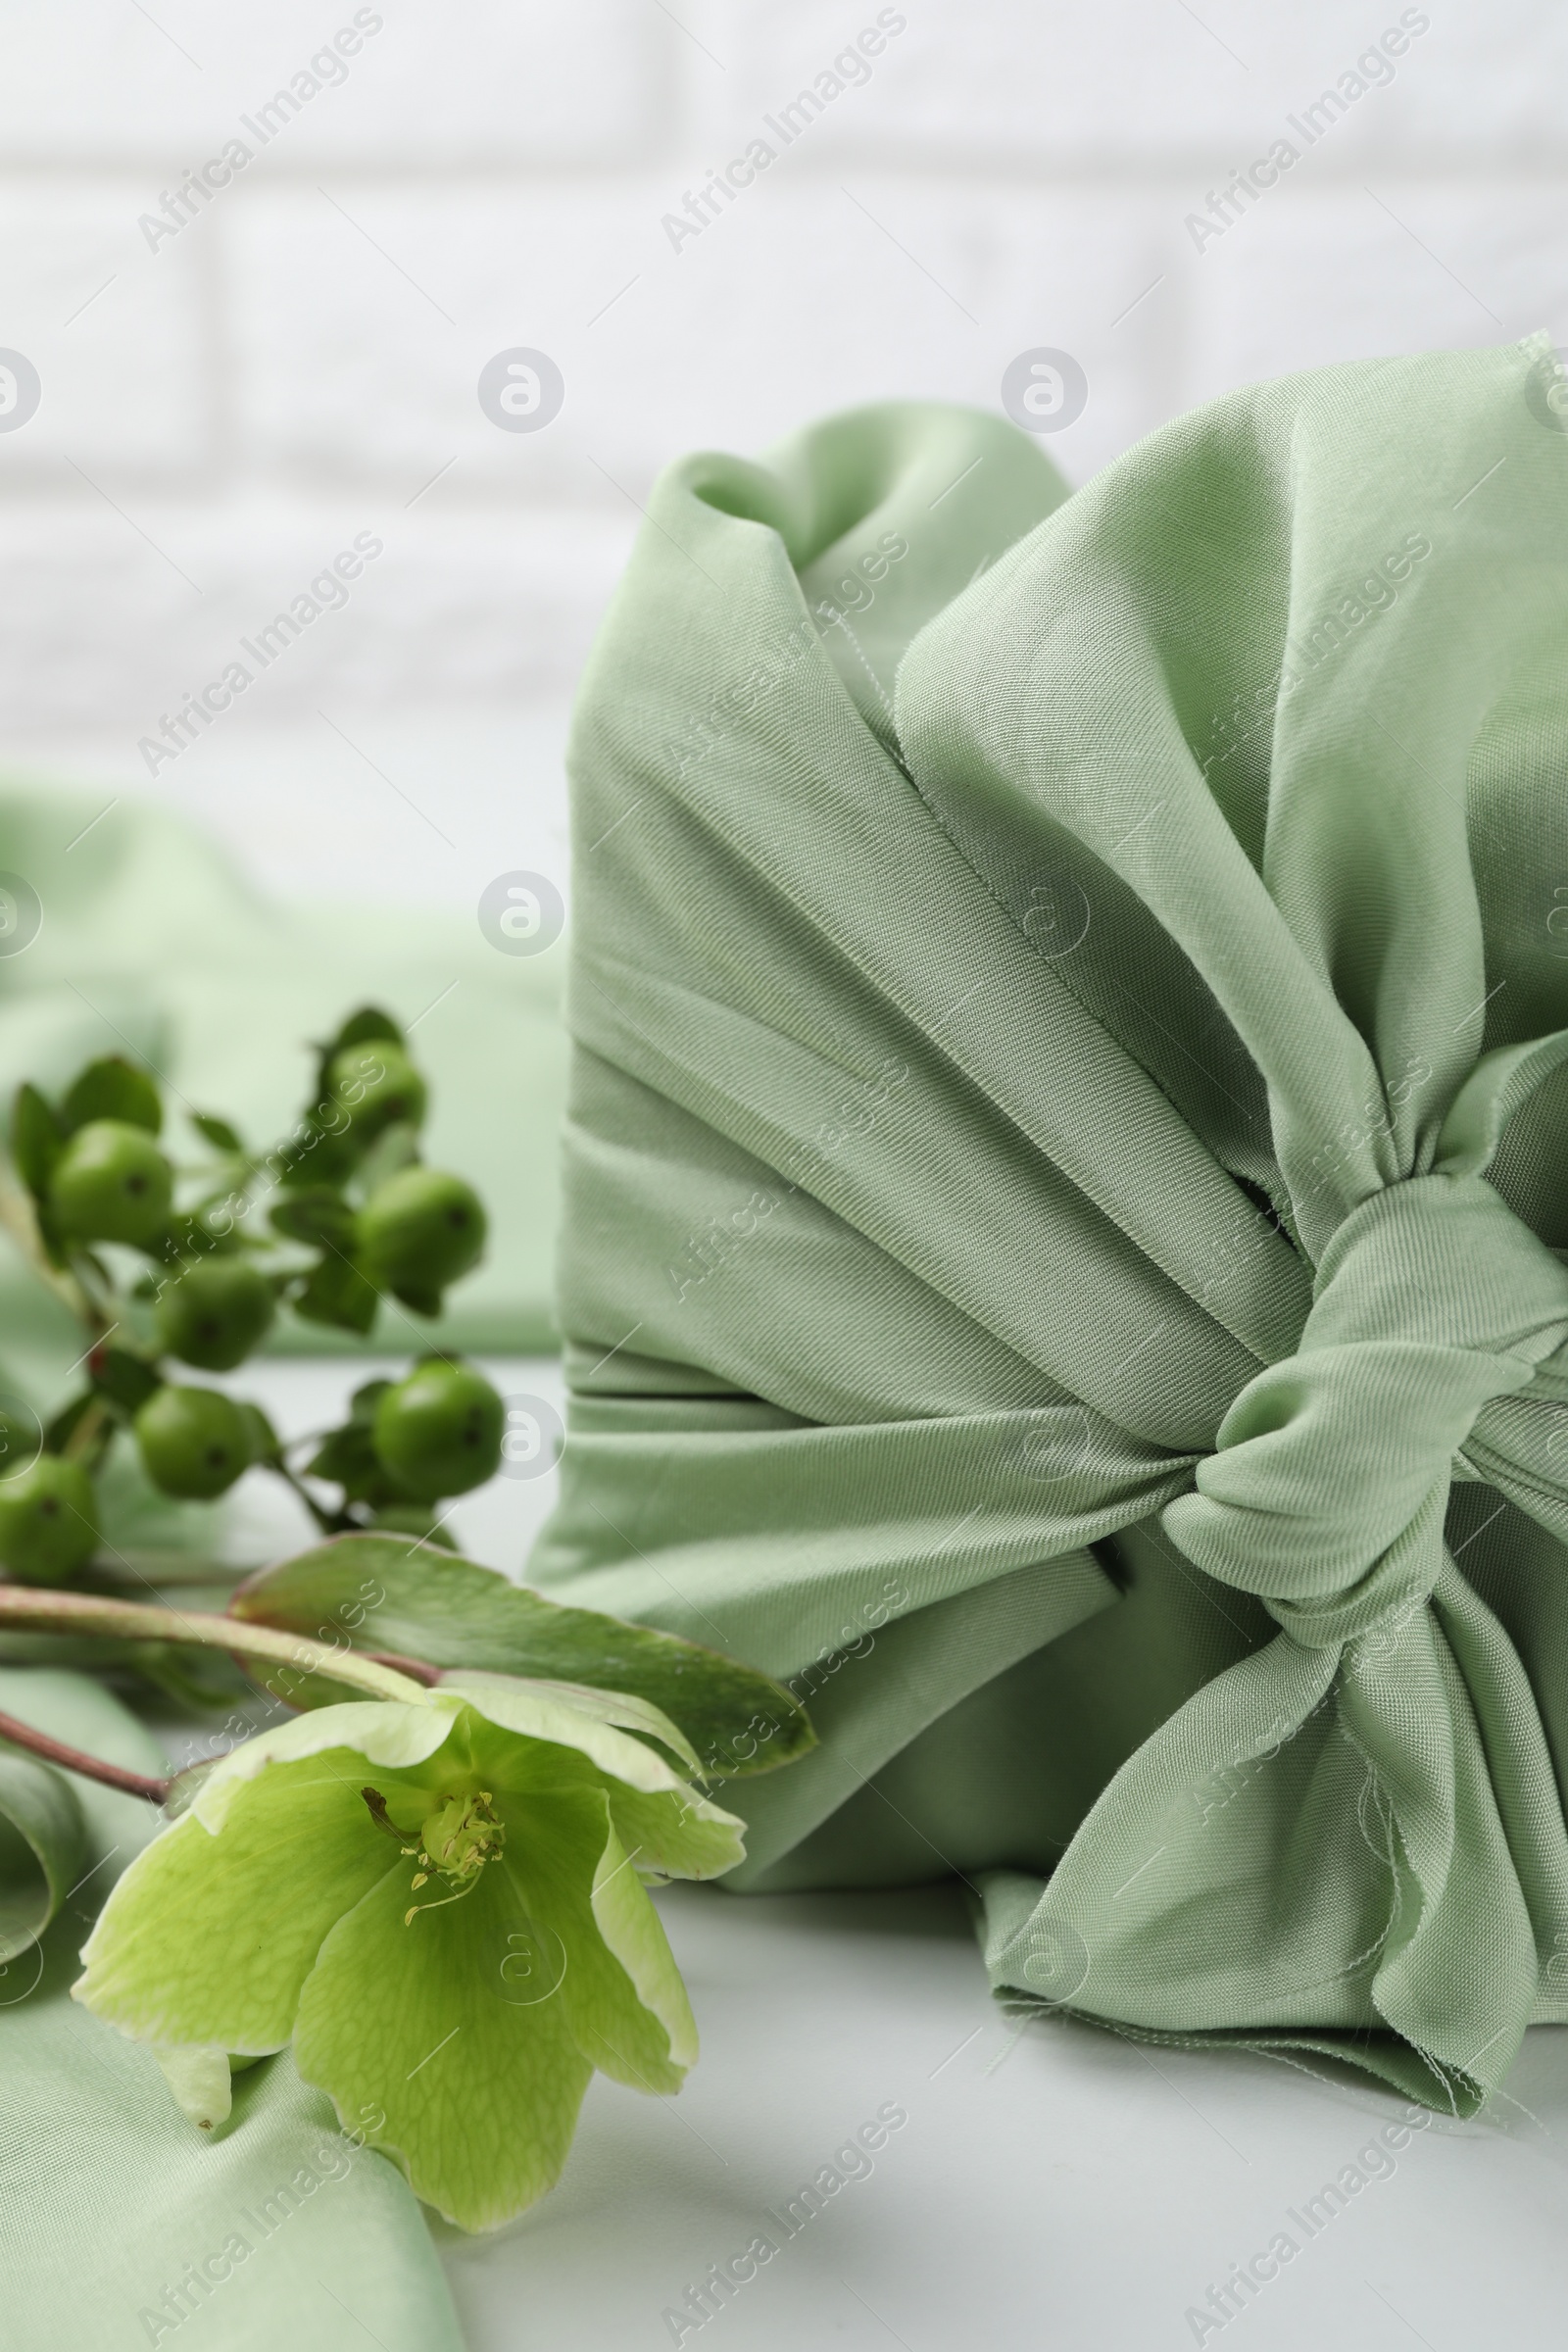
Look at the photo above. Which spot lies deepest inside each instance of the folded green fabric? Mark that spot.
(1067, 1167)
(150, 943)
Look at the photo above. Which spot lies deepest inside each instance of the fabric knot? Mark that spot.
(1327, 1489)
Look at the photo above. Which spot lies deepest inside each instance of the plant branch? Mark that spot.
(41, 1611)
(73, 1760)
(100, 1313)
(330, 1523)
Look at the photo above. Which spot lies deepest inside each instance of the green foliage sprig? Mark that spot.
(505, 1777)
(168, 1265)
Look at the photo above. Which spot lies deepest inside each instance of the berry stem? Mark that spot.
(330, 1523)
(90, 1436)
(99, 1315)
(46, 1611)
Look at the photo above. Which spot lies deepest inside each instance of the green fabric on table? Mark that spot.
(151, 943)
(121, 2224)
(1067, 1185)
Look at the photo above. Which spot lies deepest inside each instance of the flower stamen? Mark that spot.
(456, 1841)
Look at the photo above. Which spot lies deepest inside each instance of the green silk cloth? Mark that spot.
(1067, 1179)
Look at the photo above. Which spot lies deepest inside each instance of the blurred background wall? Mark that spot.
(236, 381)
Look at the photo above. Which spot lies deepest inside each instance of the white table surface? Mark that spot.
(1053, 2187)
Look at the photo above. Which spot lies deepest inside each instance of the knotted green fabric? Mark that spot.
(1067, 1178)
(1327, 1489)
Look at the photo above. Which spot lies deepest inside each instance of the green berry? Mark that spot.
(114, 1089)
(379, 1086)
(194, 1441)
(110, 1184)
(48, 1521)
(421, 1228)
(439, 1431)
(214, 1313)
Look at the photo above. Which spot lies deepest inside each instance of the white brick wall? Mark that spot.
(222, 413)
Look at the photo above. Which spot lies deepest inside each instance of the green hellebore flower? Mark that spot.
(441, 1903)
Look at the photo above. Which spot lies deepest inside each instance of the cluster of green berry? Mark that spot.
(352, 1215)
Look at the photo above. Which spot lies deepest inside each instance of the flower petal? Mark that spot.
(385, 1732)
(677, 1833)
(545, 1712)
(210, 1935)
(621, 1707)
(200, 2081)
(681, 1835)
(481, 2091)
(624, 1994)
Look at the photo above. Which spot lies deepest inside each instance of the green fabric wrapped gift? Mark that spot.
(1067, 1186)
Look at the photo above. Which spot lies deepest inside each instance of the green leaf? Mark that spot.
(52, 1239)
(413, 1519)
(42, 1844)
(37, 1140)
(317, 1214)
(386, 1594)
(361, 1026)
(317, 1156)
(112, 1087)
(194, 1236)
(126, 1380)
(360, 1029)
(193, 1678)
(348, 1458)
(266, 1446)
(59, 1431)
(423, 1302)
(217, 1131)
(337, 1293)
(364, 1402)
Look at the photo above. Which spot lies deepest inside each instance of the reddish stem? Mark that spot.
(64, 1612)
(75, 1759)
(417, 1670)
